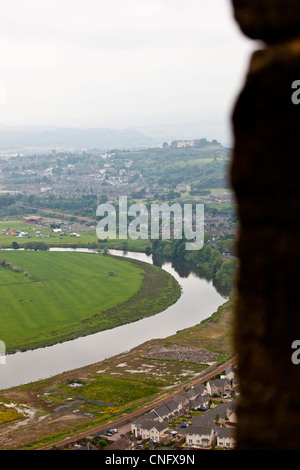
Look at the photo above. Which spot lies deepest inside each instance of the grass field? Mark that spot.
(74, 294)
(87, 237)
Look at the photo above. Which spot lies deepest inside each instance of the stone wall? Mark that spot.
(266, 179)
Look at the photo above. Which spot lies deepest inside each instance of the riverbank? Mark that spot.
(52, 410)
(209, 259)
(63, 296)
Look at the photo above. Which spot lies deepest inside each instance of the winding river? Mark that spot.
(198, 301)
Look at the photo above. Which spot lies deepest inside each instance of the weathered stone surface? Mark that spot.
(269, 20)
(265, 177)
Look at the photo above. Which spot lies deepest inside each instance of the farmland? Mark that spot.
(9, 233)
(51, 296)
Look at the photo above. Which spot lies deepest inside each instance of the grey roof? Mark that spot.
(162, 410)
(181, 397)
(152, 415)
(201, 430)
(149, 424)
(225, 432)
(200, 388)
(230, 369)
(172, 405)
(120, 444)
(219, 382)
(199, 400)
(166, 408)
(195, 390)
(145, 423)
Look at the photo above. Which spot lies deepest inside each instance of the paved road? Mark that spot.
(135, 414)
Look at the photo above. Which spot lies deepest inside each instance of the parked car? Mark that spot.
(201, 408)
(107, 433)
(113, 431)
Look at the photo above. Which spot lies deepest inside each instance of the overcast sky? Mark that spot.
(119, 63)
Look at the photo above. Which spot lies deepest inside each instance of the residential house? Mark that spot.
(200, 401)
(182, 400)
(226, 438)
(235, 387)
(122, 443)
(231, 412)
(149, 429)
(195, 391)
(231, 373)
(221, 387)
(200, 436)
(169, 410)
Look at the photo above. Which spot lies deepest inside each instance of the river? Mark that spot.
(198, 301)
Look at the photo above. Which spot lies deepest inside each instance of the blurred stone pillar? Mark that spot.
(265, 176)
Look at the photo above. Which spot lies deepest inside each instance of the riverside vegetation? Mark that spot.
(50, 296)
(126, 382)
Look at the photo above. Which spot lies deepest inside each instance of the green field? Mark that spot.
(66, 295)
(87, 237)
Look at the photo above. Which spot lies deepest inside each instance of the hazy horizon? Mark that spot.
(119, 63)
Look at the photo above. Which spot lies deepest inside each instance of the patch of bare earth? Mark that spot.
(18, 434)
(180, 353)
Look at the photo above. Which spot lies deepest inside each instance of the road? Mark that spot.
(135, 414)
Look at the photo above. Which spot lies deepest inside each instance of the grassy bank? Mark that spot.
(125, 382)
(59, 296)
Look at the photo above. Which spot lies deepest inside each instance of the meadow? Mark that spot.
(66, 295)
(88, 238)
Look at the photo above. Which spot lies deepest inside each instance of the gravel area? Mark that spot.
(179, 353)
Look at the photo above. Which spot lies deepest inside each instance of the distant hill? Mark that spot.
(219, 130)
(22, 138)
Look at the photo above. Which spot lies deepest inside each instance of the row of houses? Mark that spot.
(206, 436)
(214, 426)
